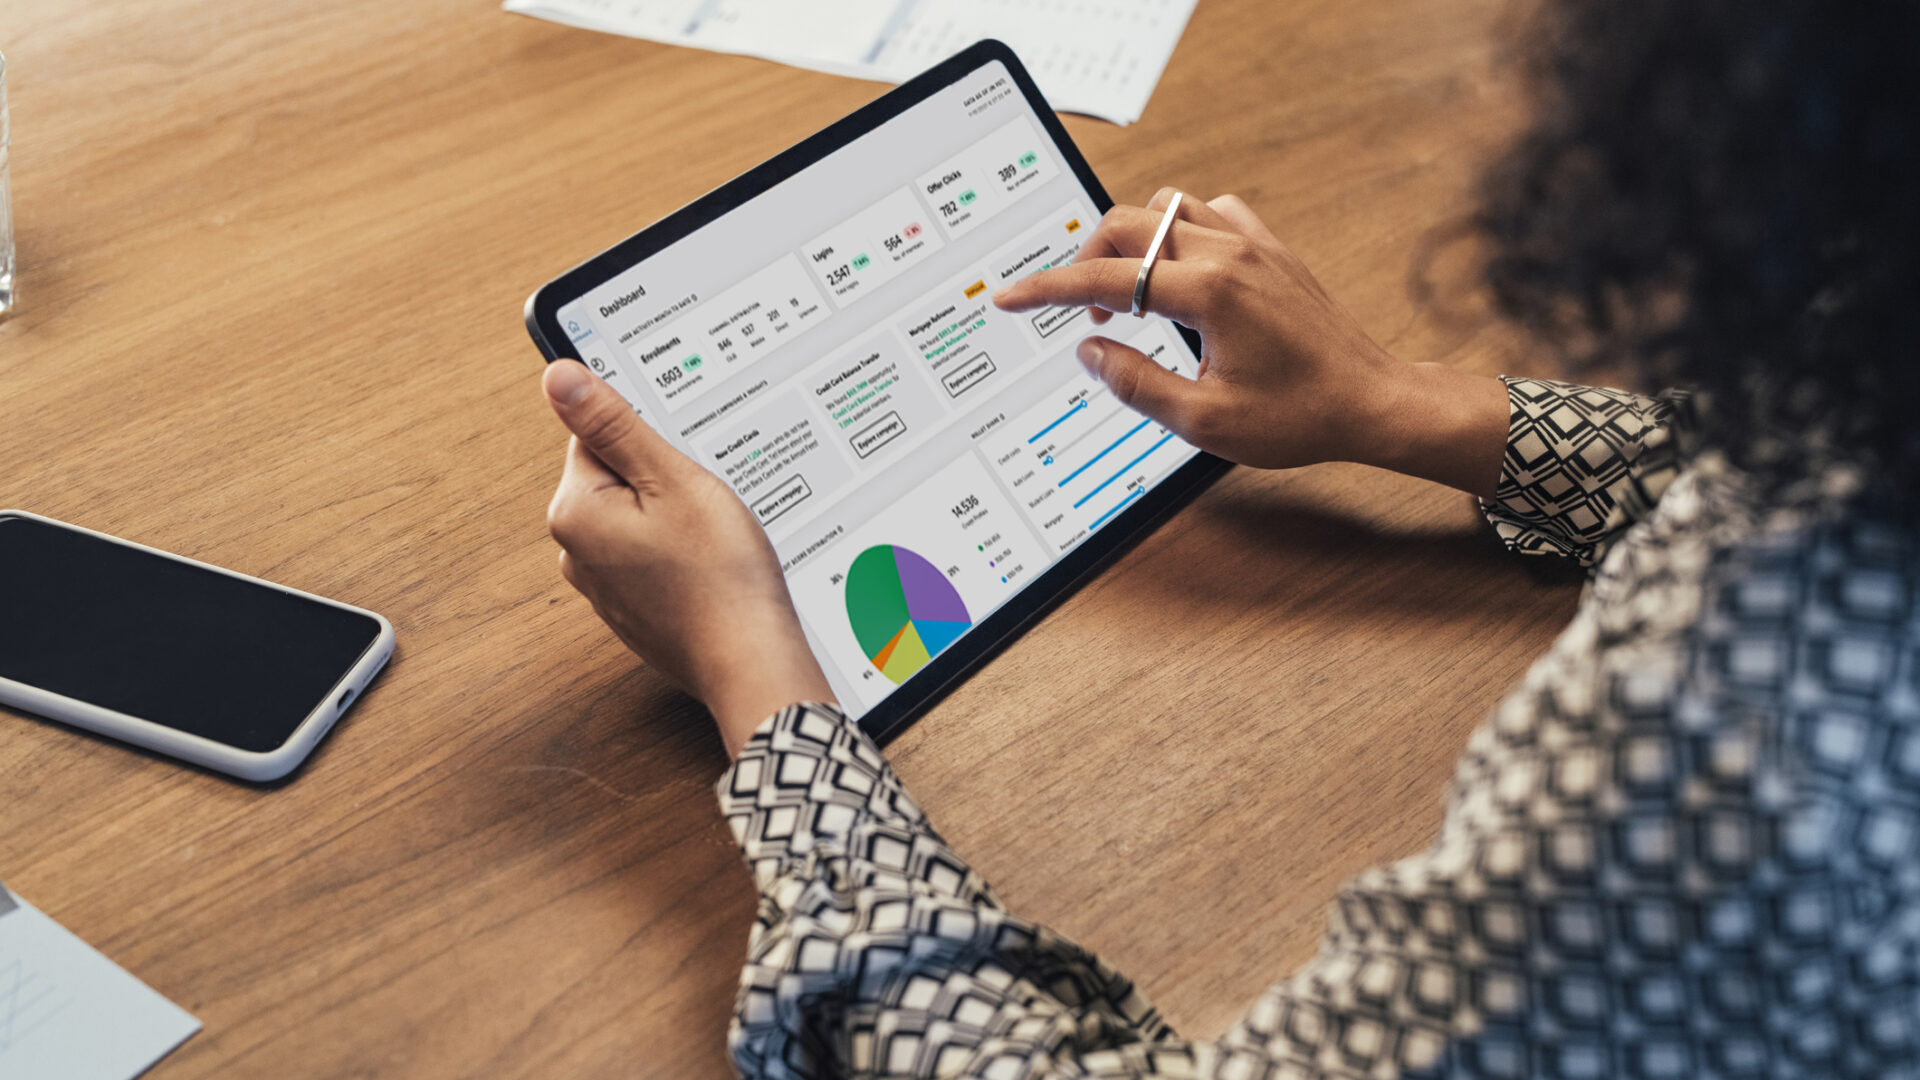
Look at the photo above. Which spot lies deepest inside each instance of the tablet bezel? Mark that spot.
(1053, 585)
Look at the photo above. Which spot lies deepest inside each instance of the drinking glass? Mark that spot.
(6, 204)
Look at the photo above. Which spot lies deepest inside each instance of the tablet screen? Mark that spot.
(830, 349)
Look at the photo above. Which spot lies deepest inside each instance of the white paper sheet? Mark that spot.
(1099, 57)
(69, 1013)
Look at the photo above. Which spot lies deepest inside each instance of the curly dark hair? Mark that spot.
(1726, 195)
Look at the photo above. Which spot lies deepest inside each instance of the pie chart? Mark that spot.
(903, 610)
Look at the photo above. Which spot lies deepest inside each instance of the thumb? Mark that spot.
(605, 423)
(1138, 382)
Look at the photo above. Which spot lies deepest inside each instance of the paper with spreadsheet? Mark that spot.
(68, 1012)
(1098, 57)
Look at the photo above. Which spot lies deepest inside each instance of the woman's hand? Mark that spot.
(674, 562)
(1287, 377)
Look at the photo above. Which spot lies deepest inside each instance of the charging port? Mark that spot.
(346, 697)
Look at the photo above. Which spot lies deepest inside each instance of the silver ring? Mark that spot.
(1153, 252)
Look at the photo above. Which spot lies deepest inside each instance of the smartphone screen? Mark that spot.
(236, 661)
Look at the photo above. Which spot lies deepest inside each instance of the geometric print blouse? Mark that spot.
(1686, 845)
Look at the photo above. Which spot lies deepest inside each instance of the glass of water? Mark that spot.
(6, 203)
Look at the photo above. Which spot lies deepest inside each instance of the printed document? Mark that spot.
(68, 1012)
(1098, 57)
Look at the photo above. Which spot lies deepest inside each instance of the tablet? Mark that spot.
(933, 472)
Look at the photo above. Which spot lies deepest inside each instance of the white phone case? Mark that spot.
(245, 764)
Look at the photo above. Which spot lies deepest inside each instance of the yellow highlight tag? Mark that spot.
(1074, 225)
(976, 289)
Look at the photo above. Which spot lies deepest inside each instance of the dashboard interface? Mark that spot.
(917, 455)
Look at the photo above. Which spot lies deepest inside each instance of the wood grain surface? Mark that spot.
(272, 264)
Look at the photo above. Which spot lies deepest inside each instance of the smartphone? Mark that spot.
(185, 659)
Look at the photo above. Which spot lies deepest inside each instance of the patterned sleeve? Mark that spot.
(1582, 465)
(1650, 865)
(879, 952)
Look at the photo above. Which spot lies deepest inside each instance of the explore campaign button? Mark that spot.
(788, 495)
(878, 434)
(1054, 318)
(967, 376)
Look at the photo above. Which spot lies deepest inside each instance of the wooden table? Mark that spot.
(272, 263)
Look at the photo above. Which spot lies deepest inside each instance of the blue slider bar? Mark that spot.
(1081, 404)
(1123, 470)
(1089, 462)
(1117, 507)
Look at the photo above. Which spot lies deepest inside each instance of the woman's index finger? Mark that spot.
(1174, 289)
